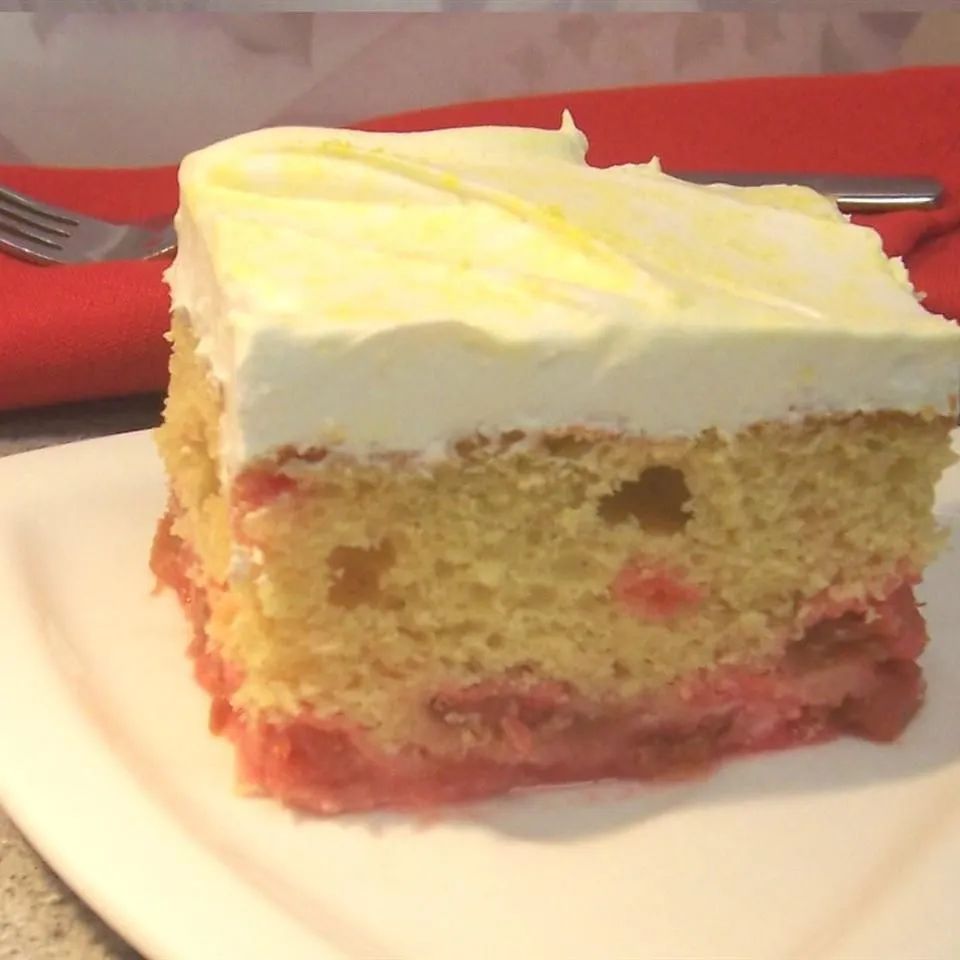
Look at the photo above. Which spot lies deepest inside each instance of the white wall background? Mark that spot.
(118, 88)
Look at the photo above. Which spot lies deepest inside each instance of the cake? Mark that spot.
(490, 469)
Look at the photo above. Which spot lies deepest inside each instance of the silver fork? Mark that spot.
(45, 234)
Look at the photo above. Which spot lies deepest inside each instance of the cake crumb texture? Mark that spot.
(616, 564)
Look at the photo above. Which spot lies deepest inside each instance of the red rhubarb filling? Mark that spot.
(852, 672)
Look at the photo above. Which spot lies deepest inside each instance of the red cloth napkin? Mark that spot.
(92, 330)
(71, 333)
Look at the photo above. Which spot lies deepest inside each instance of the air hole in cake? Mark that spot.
(469, 447)
(567, 446)
(356, 574)
(658, 500)
(892, 628)
(511, 437)
(829, 639)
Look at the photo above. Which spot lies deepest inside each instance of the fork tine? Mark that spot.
(17, 213)
(23, 233)
(21, 250)
(29, 205)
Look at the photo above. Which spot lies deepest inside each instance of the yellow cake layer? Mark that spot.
(381, 581)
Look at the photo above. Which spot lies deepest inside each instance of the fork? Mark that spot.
(45, 234)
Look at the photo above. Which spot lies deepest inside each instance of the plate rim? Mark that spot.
(70, 750)
(55, 836)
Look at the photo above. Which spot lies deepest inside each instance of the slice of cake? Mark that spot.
(490, 469)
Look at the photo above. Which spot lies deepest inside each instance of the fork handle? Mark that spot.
(852, 192)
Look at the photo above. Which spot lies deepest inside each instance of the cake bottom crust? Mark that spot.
(855, 673)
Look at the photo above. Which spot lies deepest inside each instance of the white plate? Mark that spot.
(848, 850)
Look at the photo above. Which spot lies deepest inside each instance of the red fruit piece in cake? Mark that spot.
(652, 591)
(257, 488)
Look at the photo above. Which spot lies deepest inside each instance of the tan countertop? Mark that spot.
(40, 917)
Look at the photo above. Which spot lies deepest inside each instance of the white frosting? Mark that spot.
(395, 292)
